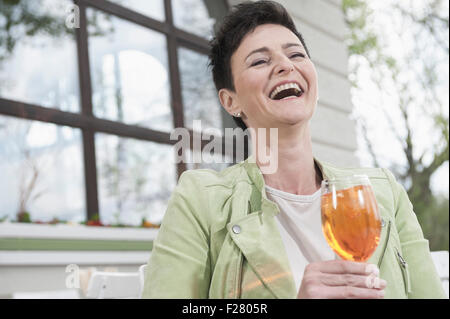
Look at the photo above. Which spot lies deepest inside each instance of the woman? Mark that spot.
(244, 233)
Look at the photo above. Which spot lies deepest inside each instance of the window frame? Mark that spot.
(85, 119)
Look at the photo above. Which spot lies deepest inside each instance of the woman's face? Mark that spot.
(267, 57)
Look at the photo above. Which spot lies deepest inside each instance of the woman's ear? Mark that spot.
(228, 100)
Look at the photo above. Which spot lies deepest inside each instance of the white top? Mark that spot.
(299, 222)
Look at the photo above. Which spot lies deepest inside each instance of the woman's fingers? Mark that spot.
(350, 280)
(345, 267)
(348, 292)
(341, 279)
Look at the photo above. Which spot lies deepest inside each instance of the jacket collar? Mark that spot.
(256, 177)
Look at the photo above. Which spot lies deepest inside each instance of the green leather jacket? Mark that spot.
(198, 253)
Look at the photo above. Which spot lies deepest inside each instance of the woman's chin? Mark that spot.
(292, 110)
(294, 117)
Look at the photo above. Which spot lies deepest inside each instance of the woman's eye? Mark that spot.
(296, 55)
(258, 62)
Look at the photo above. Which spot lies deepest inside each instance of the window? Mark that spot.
(38, 62)
(153, 8)
(86, 113)
(129, 74)
(198, 91)
(41, 170)
(193, 16)
(134, 179)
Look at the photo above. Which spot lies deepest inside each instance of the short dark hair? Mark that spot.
(241, 20)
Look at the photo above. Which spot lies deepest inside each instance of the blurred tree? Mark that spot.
(408, 78)
(20, 20)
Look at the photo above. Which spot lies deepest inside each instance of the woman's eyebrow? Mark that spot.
(263, 49)
(288, 45)
(266, 49)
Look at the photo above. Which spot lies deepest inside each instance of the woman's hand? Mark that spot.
(341, 279)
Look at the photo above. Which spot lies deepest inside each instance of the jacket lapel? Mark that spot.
(259, 240)
(257, 236)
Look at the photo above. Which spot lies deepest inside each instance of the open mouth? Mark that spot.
(286, 91)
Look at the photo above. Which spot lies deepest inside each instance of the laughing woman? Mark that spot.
(244, 233)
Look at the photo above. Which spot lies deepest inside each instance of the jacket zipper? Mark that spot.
(405, 271)
(239, 276)
(385, 244)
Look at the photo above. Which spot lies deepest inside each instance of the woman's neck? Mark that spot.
(295, 171)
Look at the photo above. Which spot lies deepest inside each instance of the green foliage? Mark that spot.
(356, 18)
(434, 222)
(25, 19)
(24, 217)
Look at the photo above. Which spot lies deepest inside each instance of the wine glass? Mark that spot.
(351, 222)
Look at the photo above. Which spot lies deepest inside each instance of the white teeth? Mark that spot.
(284, 87)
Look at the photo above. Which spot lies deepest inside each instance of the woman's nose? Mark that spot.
(283, 65)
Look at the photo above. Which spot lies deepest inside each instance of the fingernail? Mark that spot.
(376, 282)
(381, 293)
(372, 269)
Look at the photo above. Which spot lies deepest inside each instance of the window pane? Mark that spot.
(152, 8)
(41, 171)
(38, 61)
(135, 178)
(192, 16)
(129, 74)
(199, 93)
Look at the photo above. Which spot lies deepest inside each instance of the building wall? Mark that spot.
(322, 25)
